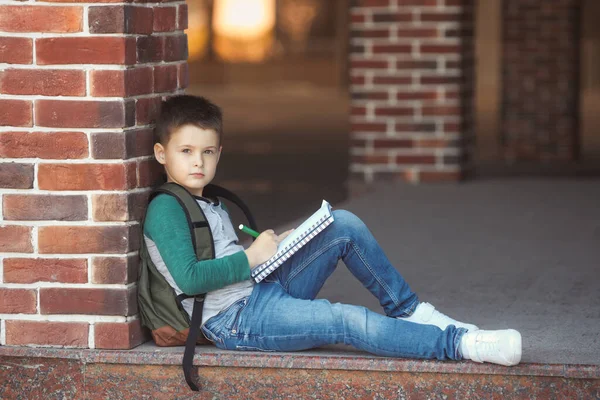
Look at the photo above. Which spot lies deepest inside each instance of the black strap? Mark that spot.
(190, 343)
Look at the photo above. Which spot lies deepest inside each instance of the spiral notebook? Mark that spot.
(303, 234)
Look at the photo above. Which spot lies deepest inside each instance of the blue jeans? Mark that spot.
(282, 314)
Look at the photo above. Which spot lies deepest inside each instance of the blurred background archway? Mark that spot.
(278, 70)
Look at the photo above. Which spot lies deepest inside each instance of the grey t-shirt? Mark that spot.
(226, 243)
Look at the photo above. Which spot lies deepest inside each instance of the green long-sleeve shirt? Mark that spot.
(166, 225)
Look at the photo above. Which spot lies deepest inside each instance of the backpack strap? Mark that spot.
(197, 222)
(200, 231)
(201, 234)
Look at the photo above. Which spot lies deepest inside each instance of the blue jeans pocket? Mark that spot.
(225, 323)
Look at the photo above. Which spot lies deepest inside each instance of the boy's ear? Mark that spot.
(220, 151)
(159, 153)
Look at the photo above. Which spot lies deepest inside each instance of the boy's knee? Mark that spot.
(347, 221)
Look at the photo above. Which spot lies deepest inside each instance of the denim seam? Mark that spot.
(377, 277)
(302, 266)
(309, 260)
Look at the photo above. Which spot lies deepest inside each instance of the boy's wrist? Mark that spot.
(251, 258)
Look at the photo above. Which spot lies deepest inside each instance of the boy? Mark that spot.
(281, 313)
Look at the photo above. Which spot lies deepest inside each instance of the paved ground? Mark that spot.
(519, 253)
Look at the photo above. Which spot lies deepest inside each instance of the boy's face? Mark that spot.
(190, 157)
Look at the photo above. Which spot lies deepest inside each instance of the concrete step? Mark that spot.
(149, 372)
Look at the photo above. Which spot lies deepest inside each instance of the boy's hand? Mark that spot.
(264, 247)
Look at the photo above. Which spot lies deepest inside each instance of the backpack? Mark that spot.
(160, 308)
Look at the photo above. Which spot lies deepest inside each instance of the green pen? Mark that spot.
(249, 231)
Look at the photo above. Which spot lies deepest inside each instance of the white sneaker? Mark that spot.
(499, 347)
(426, 314)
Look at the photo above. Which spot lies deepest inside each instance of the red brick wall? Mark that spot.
(79, 87)
(412, 79)
(540, 79)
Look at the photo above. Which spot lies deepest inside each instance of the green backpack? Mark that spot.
(160, 308)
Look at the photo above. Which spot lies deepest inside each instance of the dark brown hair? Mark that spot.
(178, 111)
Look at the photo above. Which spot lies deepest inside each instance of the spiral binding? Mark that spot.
(262, 271)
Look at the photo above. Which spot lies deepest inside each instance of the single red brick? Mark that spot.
(18, 301)
(392, 80)
(146, 110)
(358, 111)
(392, 49)
(165, 78)
(440, 49)
(121, 83)
(443, 111)
(150, 49)
(46, 145)
(182, 17)
(412, 64)
(47, 333)
(392, 143)
(176, 48)
(415, 159)
(88, 301)
(87, 239)
(42, 82)
(115, 270)
(16, 176)
(82, 177)
(31, 270)
(119, 335)
(16, 50)
(22, 18)
(356, 80)
(86, 50)
(413, 95)
(32, 207)
(15, 239)
(358, 18)
(418, 33)
(83, 114)
(394, 111)
(392, 16)
(165, 19)
(426, 127)
(16, 113)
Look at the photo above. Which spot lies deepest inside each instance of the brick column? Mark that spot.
(411, 73)
(79, 88)
(540, 90)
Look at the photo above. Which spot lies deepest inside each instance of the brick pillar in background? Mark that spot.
(412, 79)
(540, 88)
(80, 85)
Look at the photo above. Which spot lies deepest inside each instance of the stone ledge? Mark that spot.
(329, 358)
